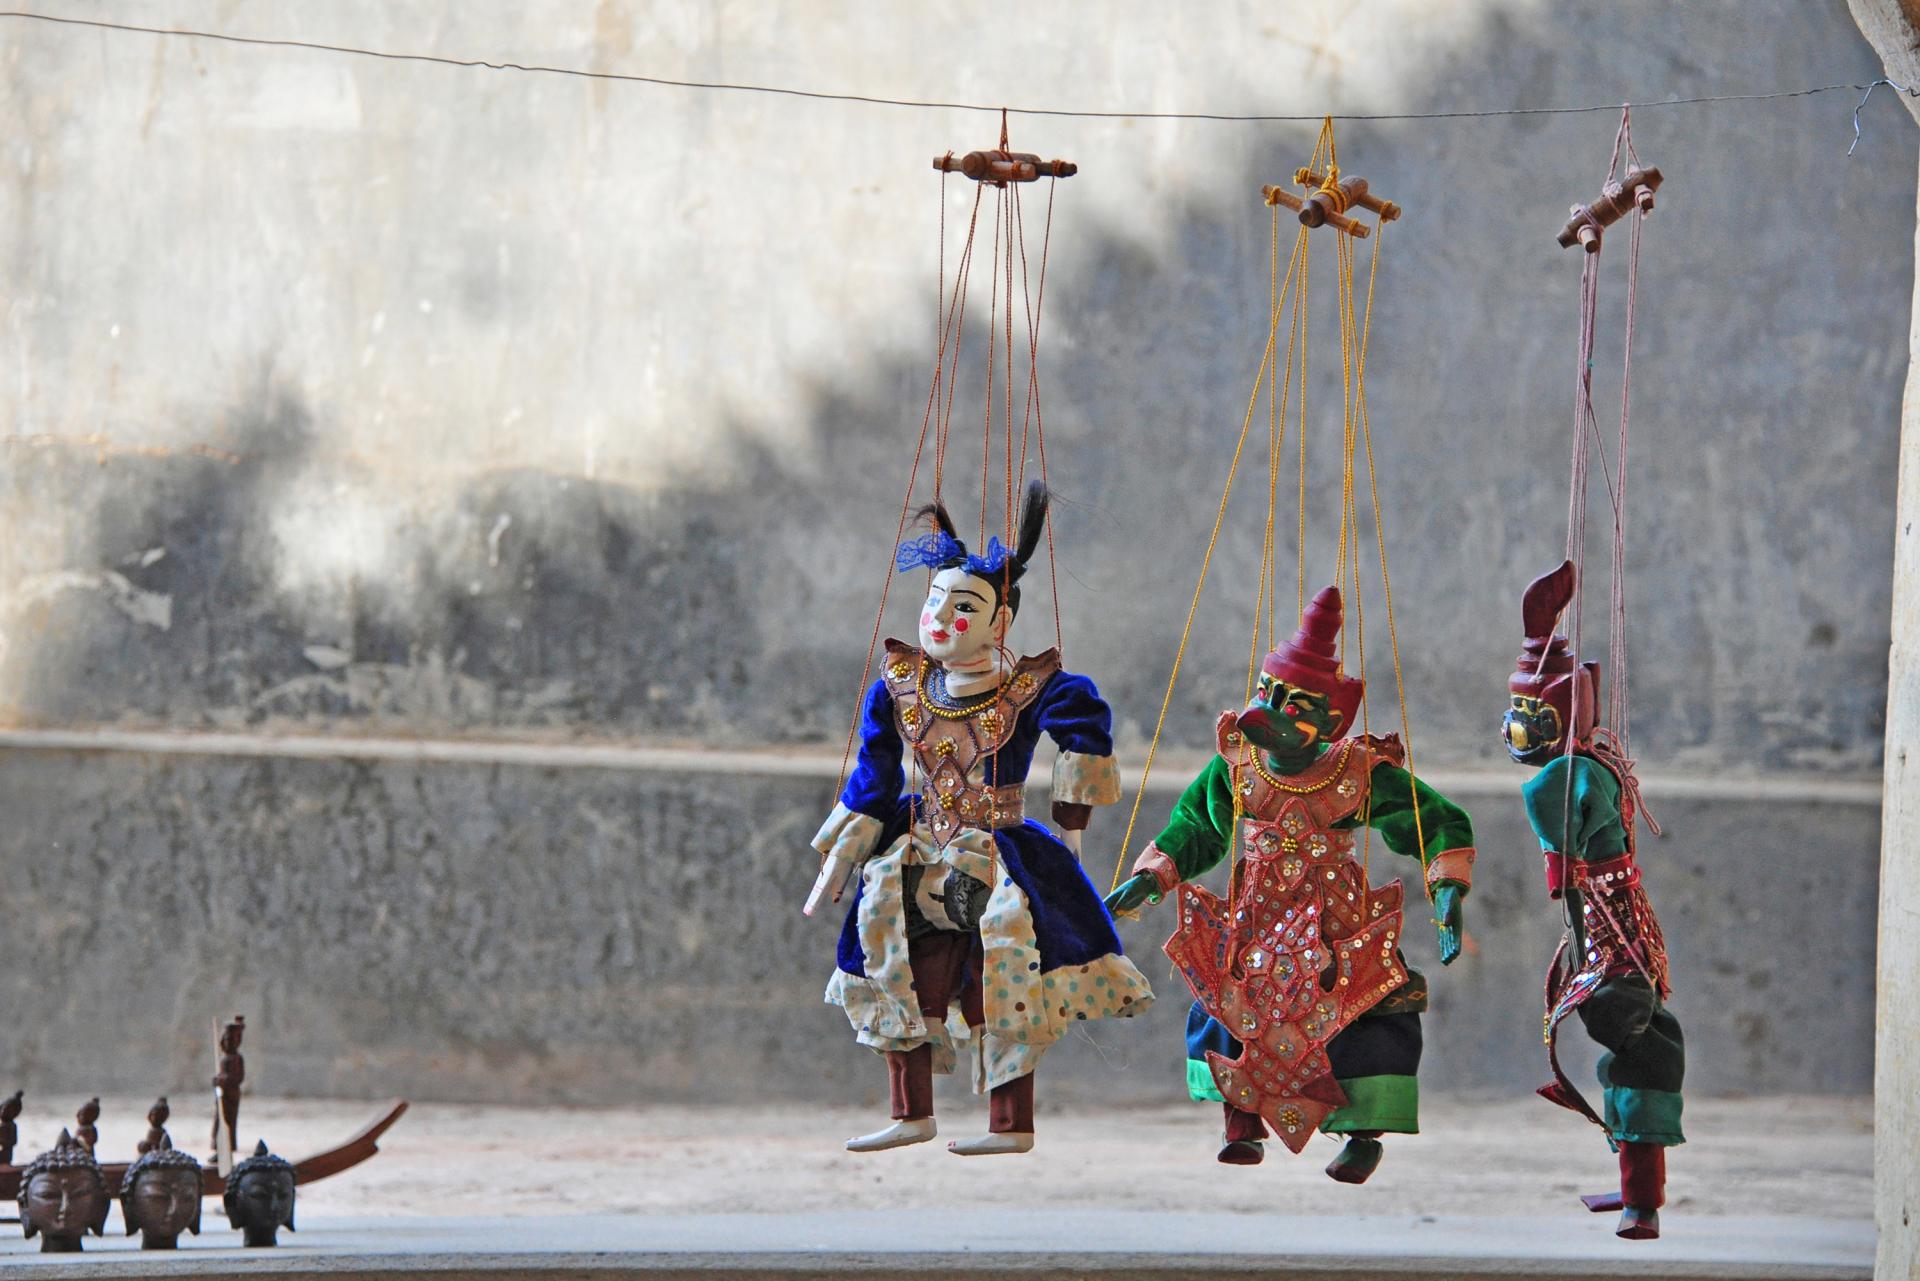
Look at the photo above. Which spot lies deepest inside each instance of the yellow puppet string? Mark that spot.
(1350, 511)
(1267, 590)
(1386, 576)
(1356, 333)
(1193, 607)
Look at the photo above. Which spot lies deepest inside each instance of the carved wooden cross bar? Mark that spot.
(1616, 198)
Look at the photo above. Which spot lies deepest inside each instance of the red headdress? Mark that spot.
(1307, 661)
(1546, 668)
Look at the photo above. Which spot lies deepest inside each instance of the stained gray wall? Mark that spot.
(353, 398)
(513, 932)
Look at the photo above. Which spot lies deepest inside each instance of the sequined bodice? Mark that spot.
(973, 753)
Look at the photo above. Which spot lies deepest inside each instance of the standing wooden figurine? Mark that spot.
(969, 920)
(9, 1131)
(230, 1071)
(156, 1136)
(85, 1132)
(1305, 1014)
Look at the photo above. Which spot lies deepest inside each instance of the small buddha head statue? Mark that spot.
(259, 1197)
(160, 1196)
(63, 1196)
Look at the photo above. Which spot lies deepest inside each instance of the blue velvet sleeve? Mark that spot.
(878, 779)
(1074, 715)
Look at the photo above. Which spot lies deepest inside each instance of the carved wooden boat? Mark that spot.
(310, 1169)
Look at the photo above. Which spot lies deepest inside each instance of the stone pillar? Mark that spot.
(1890, 25)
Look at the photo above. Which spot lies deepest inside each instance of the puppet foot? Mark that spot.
(1242, 1152)
(898, 1135)
(994, 1144)
(1357, 1161)
(1638, 1225)
(1603, 1202)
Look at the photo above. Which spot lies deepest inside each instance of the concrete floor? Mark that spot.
(1773, 1188)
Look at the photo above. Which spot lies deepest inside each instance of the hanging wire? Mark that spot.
(1862, 104)
(722, 86)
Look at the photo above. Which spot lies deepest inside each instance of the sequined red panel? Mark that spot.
(1304, 949)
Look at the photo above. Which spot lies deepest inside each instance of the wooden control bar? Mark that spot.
(1003, 167)
(1635, 191)
(1321, 208)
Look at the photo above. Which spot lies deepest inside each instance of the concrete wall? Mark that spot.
(352, 398)
(1896, 1119)
(508, 930)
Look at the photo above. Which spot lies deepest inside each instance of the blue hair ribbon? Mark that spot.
(941, 550)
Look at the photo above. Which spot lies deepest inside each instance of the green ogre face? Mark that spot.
(1287, 721)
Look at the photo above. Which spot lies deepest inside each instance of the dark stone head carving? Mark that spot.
(259, 1197)
(63, 1196)
(160, 1197)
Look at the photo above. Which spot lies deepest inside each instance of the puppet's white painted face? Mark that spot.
(959, 625)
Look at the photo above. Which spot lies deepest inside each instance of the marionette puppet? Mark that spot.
(1611, 968)
(1305, 1013)
(970, 922)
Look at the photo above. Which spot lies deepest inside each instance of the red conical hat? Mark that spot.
(1545, 669)
(1308, 661)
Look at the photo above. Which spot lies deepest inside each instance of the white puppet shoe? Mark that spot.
(897, 1135)
(999, 1144)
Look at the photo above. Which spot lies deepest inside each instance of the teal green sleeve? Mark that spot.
(1392, 802)
(1200, 831)
(1567, 819)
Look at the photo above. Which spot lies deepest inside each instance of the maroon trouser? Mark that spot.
(1643, 1175)
(939, 962)
(1243, 1127)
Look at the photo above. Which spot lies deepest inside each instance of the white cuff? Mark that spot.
(1085, 780)
(848, 835)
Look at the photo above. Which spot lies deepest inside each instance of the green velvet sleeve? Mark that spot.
(1200, 830)
(1567, 819)
(1391, 807)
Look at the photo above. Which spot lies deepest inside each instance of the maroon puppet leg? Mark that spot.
(1010, 1107)
(1643, 1190)
(910, 1083)
(1245, 1132)
(938, 961)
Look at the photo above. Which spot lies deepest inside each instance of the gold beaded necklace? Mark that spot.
(1339, 768)
(956, 711)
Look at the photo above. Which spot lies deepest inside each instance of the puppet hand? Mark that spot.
(1449, 899)
(1133, 892)
(829, 884)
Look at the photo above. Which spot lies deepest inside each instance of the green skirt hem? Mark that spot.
(1635, 1115)
(1390, 1104)
(1200, 1086)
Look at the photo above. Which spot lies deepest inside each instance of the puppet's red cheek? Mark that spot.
(960, 623)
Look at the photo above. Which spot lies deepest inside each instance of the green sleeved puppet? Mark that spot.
(1612, 968)
(1305, 1015)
